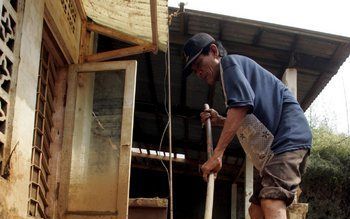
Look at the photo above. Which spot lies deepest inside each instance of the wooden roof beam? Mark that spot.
(118, 53)
(325, 77)
(257, 37)
(154, 24)
(184, 24)
(316, 88)
(292, 60)
(81, 9)
(115, 34)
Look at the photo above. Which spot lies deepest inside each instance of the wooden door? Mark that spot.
(97, 140)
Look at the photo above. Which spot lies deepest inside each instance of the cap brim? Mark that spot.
(187, 70)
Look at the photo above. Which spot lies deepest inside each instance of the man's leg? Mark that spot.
(280, 178)
(255, 212)
(273, 209)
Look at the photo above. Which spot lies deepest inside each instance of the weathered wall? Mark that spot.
(14, 191)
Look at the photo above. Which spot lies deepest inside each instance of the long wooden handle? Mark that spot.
(210, 197)
(210, 187)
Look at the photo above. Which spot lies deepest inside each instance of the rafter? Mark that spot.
(118, 53)
(154, 24)
(112, 33)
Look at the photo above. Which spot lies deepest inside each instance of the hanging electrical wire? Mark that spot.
(168, 111)
(170, 135)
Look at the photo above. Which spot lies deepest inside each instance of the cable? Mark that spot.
(170, 137)
(168, 126)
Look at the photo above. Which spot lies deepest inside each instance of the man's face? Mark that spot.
(207, 68)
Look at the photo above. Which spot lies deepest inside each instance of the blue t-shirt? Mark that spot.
(246, 83)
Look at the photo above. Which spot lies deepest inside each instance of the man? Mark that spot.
(266, 117)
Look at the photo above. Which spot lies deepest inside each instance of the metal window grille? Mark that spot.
(39, 171)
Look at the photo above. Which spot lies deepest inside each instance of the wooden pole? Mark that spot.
(154, 24)
(210, 187)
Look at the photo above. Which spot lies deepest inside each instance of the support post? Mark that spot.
(289, 78)
(234, 201)
(248, 190)
(295, 210)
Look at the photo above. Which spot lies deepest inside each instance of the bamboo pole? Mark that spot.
(211, 179)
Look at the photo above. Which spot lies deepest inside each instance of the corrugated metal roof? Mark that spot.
(316, 56)
(132, 17)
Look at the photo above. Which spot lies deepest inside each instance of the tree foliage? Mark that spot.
(326, 183)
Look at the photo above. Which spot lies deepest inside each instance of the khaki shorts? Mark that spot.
(280, 177)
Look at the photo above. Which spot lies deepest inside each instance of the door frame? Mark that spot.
(123, 183)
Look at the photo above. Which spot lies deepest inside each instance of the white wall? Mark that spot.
(14, 191)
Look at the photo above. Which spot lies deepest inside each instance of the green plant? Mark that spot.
(326, 184)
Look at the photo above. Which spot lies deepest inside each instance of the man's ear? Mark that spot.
(214, 49)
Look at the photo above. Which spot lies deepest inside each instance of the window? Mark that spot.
(39, 171)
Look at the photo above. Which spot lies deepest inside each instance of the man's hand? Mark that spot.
(215, 118)
(213, 165)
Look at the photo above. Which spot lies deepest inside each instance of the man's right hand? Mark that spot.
(215, 118)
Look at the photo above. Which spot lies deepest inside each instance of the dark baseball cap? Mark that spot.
(193, 48)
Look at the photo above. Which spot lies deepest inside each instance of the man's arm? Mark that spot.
(233, 120)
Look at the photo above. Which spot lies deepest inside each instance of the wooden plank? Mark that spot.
(115, 34)
(56, 145)
(59, 26)
(67, 140)
(158, 157)
(81, 9)
(257, 37)
(96, 214)
(103, 66)
(154, 24)
(126, 141)
(184, 24)
(149, 202)
(103, 56)
(84, 39)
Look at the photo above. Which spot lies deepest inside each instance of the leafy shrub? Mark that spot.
(326, 183)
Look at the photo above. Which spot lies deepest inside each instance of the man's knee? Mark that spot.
(273, 203)
(273, 208)
(255, 211)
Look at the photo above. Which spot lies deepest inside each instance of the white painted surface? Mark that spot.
(289, 78)
(24, 109)
(234, 201)
(248, 190)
